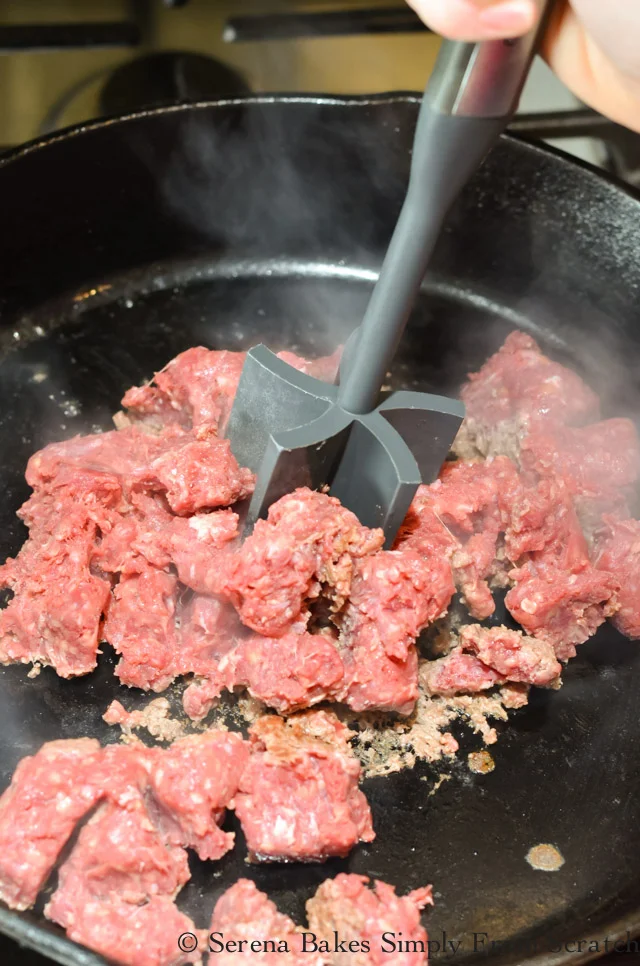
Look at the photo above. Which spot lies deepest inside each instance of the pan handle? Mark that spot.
(484, 79)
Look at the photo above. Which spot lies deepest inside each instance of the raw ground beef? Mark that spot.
(209, 629)
(102, 506)
(560, 607)
(473, 500)
(199, 547)
(459, 672)
(129, 520)
(132, 935)
(347, 906)
(423, 531)
(394, 594)
(54, 615)
(343, 911)
(618, 554)
(518, 388)
(543, 525)
(372, 664)
(132, 539)
(519, 530)
(115, 892)
(295, 787)
(522, 404)
(299, 798)
(398, 592)
(193, 470)
(194, 389)
(148, 533)
(556, 593)
(487, 656)
(373, 680)
(118, 455)
(49, 794)
(287, 673)
(597, 461)
(308, 540)
(518, 658)
(197, 388)
(203, 473)
(141, 627)
(244, 915)
(192, 783)
(116, 889)
(484, 517)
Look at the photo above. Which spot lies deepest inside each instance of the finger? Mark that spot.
(473, 20)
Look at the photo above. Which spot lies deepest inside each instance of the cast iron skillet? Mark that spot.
(127, 241)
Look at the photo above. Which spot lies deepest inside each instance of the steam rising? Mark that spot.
(265, 183)
(295, 187)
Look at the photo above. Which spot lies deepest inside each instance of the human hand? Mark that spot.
(592, 45)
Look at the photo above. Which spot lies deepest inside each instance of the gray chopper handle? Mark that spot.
(471, 97)
(484, 80)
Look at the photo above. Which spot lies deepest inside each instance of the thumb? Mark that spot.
(473, 20)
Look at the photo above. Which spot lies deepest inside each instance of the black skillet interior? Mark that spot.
(225, 224)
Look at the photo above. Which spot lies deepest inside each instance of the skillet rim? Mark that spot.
(326, 100)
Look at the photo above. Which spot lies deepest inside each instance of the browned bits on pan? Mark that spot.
(481, 762)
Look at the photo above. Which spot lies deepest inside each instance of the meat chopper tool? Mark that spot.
(294, 430)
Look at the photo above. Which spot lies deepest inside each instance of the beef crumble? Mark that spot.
(299, 798)
(487, 656)
(348, 907)
(517, 389)
(308, 541)
(618, 554)
(115, 891)
(49, 794)
(246, 927)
